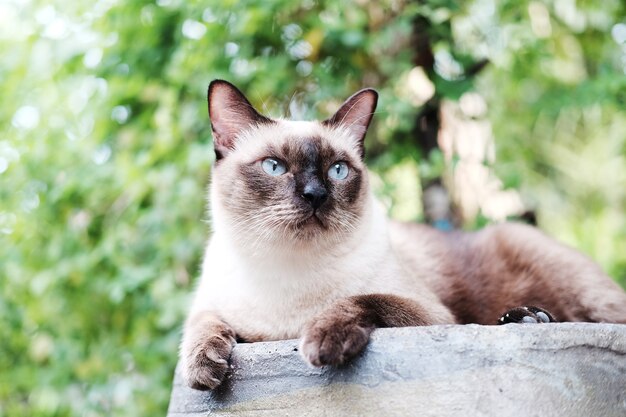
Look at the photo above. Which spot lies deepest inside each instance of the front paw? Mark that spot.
(529, 314)
(205, 358)
(331, 342)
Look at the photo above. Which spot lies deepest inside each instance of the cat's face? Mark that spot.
(280, 184)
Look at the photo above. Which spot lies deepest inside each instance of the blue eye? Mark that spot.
(273, 167)
(338, 171)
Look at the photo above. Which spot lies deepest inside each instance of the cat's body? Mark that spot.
(480, 275)
(273, 296)
(301, 248)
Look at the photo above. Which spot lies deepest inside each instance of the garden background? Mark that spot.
(105, 153)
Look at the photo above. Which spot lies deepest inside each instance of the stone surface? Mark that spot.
(513, 370)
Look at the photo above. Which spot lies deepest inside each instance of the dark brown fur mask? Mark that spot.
(281, 184)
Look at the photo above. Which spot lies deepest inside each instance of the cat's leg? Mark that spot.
(560, 279)
(205, 349)
(517, 265)
(342, 331)
(527, 314)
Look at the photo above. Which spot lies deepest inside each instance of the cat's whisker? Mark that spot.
(289, 104)
(273, 227)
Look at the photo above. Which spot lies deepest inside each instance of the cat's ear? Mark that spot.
(231, 113)
(355, 114)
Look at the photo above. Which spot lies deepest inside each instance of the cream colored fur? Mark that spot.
(265, 279)
(272, 291)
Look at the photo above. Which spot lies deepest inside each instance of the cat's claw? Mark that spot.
(527, 314)
(333, 343)
(205, 366)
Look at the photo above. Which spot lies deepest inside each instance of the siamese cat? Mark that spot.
(301, 249)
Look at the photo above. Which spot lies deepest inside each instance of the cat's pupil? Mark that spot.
(273, 167)
(337, 168)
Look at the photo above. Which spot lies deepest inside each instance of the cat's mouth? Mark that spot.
(312, 220)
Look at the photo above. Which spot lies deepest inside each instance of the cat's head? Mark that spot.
(279, 183)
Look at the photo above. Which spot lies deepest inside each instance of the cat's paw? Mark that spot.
(528, 314)
(204, 360)
(333, 341)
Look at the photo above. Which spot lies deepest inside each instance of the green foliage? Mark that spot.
(105, 154)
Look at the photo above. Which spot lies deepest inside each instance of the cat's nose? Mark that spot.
(315, 194)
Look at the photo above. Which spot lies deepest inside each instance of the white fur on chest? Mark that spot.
(276, 296)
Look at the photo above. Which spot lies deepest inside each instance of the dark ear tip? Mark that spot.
(374, 93)
(370, 92)
(218, 83)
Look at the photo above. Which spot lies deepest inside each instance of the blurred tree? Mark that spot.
(105, 153)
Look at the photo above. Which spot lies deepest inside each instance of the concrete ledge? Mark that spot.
(513, 370)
